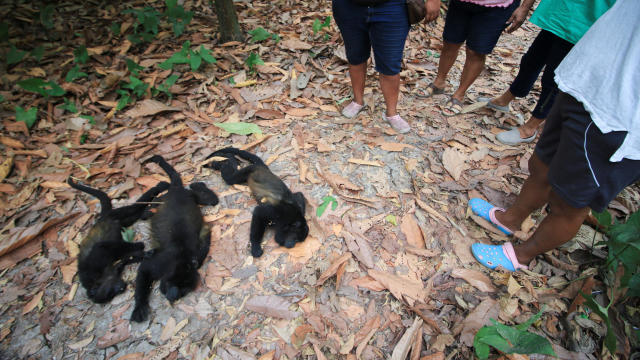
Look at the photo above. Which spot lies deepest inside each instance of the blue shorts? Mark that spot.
(578, 153)
(480, 26)
(383, 27)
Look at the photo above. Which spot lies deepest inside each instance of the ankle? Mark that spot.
(504, 219)
(439, 83)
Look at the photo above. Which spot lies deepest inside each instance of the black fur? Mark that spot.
(103, 253)
(277, 205)
(181, 242)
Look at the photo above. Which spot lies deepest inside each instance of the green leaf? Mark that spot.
(240, 128)
(1, 98)
(38, 52)
(327, 22)
(81, 54)
(317, 26)
(91, 119)
(392, 219)
(75, 73)
(123, 102)
(28, 116)
(83, 138)
(194, 61)
(206, 55)
(166, 85)
(525, 325)
(115, 28)
(46, 16)
(133, 67)
(41, 87)
(69, 105)
(524, 342)
(128, 234)
(253, 60)
(275, 37)
(4, 31)
(634, 285)
(15, 56)
(325, 202)
(603, 313)
(604, 219)
(259, 34)
(137, 86)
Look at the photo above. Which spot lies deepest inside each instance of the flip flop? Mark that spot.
(429, 91)
(493, 256)
(512, 137)
(452, 107)
(487, 211)
(493, 106)
(350, 111)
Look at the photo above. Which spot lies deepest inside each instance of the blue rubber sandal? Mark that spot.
(493, 256)
(487, 211)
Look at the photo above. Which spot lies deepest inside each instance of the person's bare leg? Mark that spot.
(558, 227)
(358, 75)
(390, 86)
(534, 194)
(448, 57)
(504, 99)
(529, 128)
(473, 66)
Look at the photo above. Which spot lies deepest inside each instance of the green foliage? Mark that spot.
(240, 128)
(125, 99)
(46, 16)
(91, 119)
(44, 88)
(4, 32)
(188, 56)
(624, 250)
(145, 28)
(115, 28)
(318, 25)
(1, 98)
(137, 86)
(511, 339)
(260, 34)
(28, 116)
(165, 86)
(75, 73)
(37, 53)
(177, 16)
(392, 219)
(325, 202)
(83, 138)
(15, 55)
(69, 105)
(133, 67)
(253, 60)
(81, 55)
(128, 234)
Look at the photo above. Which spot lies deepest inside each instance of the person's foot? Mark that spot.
(452, 107)
(487, 211)
(493, 256)
(397, 123)
(351, 110)
(429, 91)
(495, 104)
(514, 137)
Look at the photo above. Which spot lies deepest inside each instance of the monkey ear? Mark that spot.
(300, 201)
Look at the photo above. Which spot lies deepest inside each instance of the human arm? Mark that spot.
(433, 10)
(519, 15)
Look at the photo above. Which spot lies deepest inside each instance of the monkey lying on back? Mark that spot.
(277, 205)
(180, 241)
(103, 253)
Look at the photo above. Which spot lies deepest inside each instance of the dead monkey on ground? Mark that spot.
(103, 253)
(180, 242)
(277, 205)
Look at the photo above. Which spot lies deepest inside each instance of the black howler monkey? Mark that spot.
(180, 242)
(277, 205)
(103, 253)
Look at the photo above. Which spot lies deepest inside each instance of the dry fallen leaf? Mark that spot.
(80, 344)
(401, 288)
(479, 317)
(5, 167)
(475, 278)
(333, 268)
(409, 227)
(35, 300)
(271, 305)
(294, 44)
(148, 107)
(454, 162)
(402, 347)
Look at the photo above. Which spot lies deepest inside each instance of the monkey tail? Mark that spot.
(105, 202)
(252, 158)
(173, 174)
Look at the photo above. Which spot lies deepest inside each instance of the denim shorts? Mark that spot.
(480, 26)
(578, 153)
(383, 27)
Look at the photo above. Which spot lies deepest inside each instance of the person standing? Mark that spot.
(590, 146)
(382, 25)
(563, 22)
(479, 23)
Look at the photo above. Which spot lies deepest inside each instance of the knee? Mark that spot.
(474, 55)
(537, 168)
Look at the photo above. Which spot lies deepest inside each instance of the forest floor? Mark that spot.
(394, 251)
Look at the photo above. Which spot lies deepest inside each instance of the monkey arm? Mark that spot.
(262, 216)
(204, 243)
(150, 270)
(203, 195)
(131, 213)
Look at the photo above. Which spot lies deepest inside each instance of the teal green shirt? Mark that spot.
(569, 19)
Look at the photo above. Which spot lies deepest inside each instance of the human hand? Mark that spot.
(433, 10)
(516, 19)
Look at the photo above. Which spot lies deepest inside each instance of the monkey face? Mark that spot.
(289, 234)
(181, 282)
(107, 289)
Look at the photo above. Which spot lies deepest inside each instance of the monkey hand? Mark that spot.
(140, 313)
(256, 251)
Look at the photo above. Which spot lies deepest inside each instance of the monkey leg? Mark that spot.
(133, 253)
(204, 243)
(262, 216)
(231, 175)
(131, 213)
(300, 201)
(203, 195)
(149, 271)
